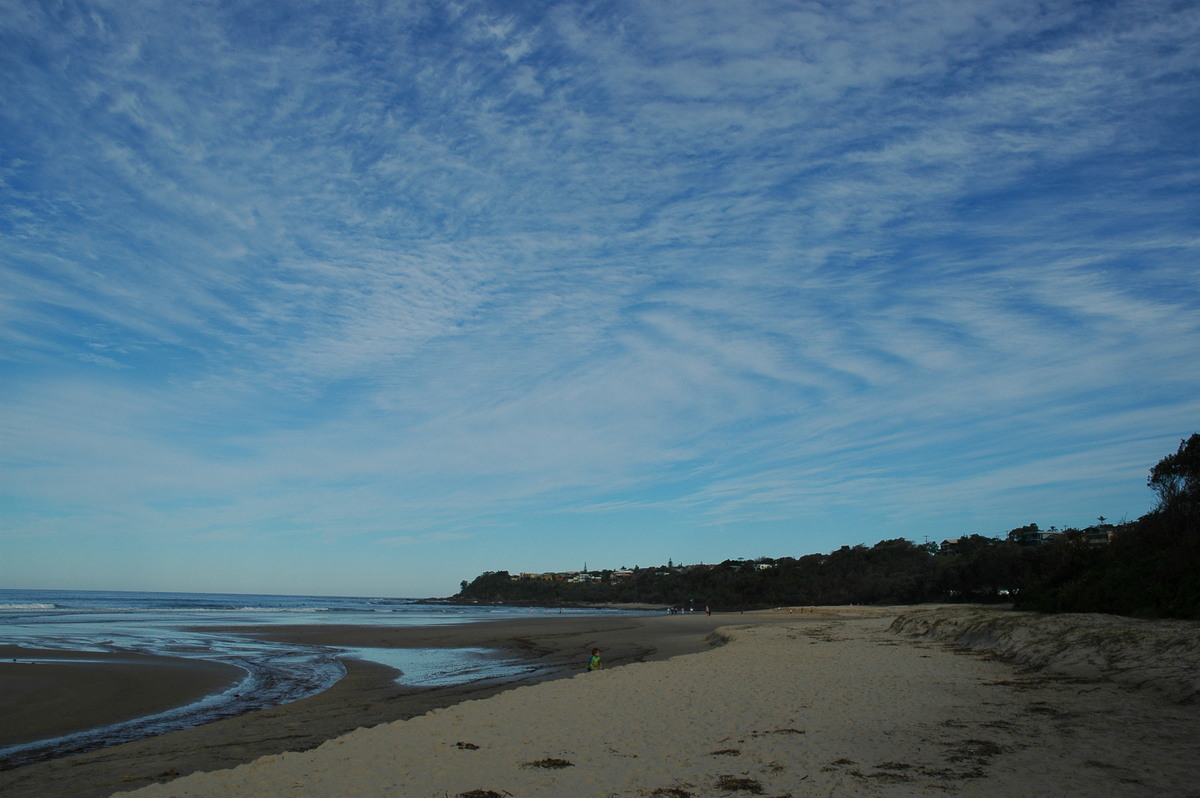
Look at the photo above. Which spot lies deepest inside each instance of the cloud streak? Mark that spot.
(614, 282)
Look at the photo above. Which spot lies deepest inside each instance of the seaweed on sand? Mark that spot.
(549, 762)
(739, 783)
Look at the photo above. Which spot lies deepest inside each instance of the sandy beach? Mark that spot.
(843, 701)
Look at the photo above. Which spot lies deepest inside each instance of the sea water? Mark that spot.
(188, 625)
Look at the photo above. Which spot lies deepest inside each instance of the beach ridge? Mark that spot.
(1162, 656)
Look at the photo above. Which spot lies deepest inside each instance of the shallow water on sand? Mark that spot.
(188, 625)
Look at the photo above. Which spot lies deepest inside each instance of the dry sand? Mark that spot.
(828, 703)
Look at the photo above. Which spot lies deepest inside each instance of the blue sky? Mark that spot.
(370, 297)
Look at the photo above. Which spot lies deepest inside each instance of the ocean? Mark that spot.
(187, 625)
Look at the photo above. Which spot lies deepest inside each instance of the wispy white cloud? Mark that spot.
(331, 272)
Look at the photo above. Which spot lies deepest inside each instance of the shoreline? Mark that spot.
(367, 695)
(50, 694)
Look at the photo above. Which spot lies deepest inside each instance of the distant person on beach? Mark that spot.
(594, 664)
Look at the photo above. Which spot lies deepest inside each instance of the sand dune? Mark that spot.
(1159, 656)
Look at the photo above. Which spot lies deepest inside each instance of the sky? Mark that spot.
(363, 297)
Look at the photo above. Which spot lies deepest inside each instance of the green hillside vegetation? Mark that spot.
(1152, 569)
(1149, 567)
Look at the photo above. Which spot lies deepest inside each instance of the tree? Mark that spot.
(1176, 478)
(1150, 567)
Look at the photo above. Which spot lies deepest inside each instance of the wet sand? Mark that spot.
(46, 693)
(367, 696)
